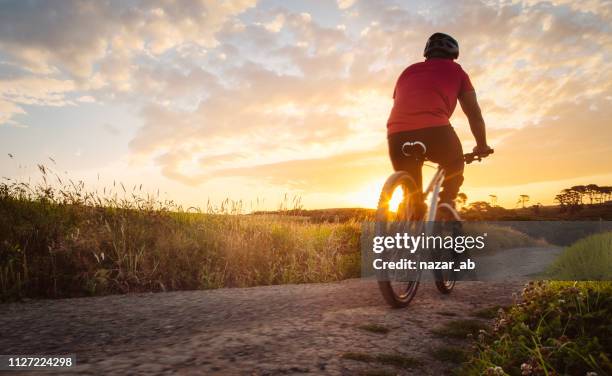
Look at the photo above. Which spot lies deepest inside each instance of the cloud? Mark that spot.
(97, 44)
(316, 89)
(344, 4)
(35, 90)
(86, 99)
(276, 24)
(111, 129)
(15, 92)
(575, 144)
(335, 174)
(72, 35)
(7, 111)
(282, 95)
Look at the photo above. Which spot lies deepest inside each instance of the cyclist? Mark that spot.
(425, 97)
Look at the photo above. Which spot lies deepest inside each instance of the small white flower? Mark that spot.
(526, 369)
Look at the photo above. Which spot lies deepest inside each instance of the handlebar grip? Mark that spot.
(471, 157)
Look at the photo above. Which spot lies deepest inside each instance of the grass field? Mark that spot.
(60, 240)
(67, 242)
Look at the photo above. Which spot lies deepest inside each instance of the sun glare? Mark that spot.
(369, 195)
(396, 199)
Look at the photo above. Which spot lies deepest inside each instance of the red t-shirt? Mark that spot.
(426, 95)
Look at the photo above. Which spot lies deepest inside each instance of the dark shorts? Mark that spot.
(443, 148)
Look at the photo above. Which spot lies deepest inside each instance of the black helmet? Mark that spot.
(443, 44)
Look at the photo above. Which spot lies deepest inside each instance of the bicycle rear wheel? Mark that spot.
(407, 216)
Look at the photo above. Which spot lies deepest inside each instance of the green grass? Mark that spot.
(459, 328)
(375, 328)
(560, 328)
(451, 354)
(395, 360)
(587, 259)
(69, 242)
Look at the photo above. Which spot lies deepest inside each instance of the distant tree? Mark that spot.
(606, 193)
(479, 206)
(599, 195)
(574, 198)
(561, 198)
(462, 198)
(580, 190)
(493, 200)
(523, 199)
(591, 191)
(536, 208)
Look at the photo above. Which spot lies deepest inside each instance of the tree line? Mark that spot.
(572, 199)
(581, 194)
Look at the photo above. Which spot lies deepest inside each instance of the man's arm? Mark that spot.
(469, 105)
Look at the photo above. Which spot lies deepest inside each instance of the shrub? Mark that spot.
(587, 259)
(559, 328)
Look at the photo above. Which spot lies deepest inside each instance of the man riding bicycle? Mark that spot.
(425, 97)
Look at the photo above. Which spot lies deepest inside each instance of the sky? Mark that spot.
(254, 100)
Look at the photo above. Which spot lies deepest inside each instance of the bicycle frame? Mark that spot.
(434, 188)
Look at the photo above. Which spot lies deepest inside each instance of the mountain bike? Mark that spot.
(414, 216)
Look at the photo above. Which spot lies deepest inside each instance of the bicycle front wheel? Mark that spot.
(391, 218)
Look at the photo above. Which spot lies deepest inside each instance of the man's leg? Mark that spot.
(445, 149)
(452, 182)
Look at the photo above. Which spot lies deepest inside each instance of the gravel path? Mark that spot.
(270, 330)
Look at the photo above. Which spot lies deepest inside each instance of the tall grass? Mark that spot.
(587, 259)
(60, 240)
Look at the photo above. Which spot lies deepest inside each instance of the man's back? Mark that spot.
(426, 95)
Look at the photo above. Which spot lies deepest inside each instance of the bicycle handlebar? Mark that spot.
(471, 157)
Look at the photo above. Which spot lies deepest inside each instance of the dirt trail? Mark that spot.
(269, 330)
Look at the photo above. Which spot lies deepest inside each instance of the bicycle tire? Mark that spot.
(445, 283)
(445, 286)
(401, 178)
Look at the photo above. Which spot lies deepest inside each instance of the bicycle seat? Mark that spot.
(415, 149)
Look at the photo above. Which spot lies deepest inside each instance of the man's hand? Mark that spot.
(482, 150)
